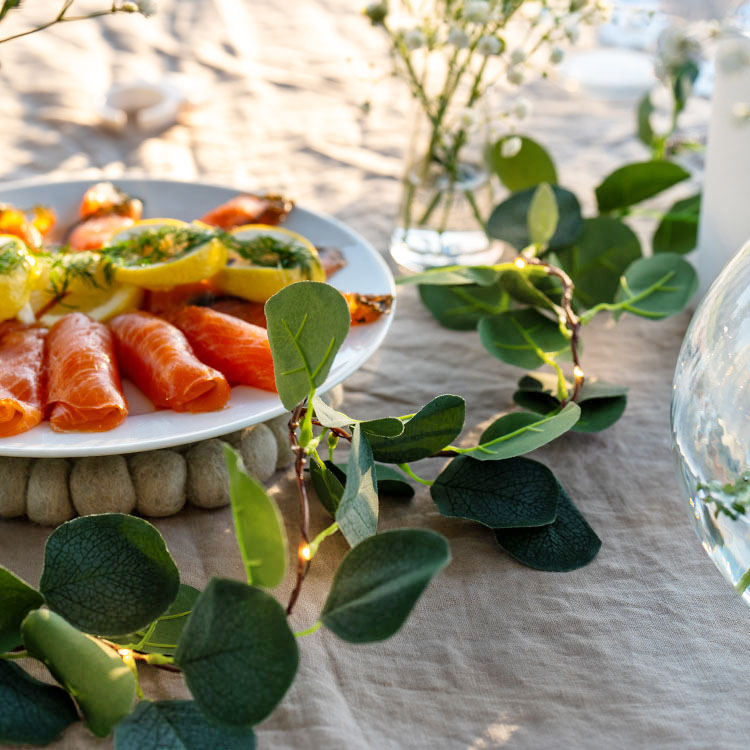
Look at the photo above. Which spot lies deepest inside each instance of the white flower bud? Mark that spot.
(515, 76)
(489, 45)
(517, 56)
(147, 7)
(556, 55)
(741, 111)
(477, 11)
(522, 108)
(414, 39)
(572, 31)
(511, 147)
(467, 118)
(458, 38)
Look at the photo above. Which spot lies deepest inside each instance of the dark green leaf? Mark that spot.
(177, 725)
(566, 544)
(634, 183)
(328, 487)
(644, 112)
(461, 307)
(380, 580)
(543, 215)
(657, 287)
(596, 261)
(357, 514)
(678, 230)
(520, 432)
(509, 220)
(103, 686)
(530, 166)
(517, 492)
(17, 599)
(391, 482)
(430, 430)
(307, 323)
(7, 6)
(530, 286)
(518, 336)
(30, 711)
(329, 417)
(453, 275)
(110, 573)
(237, 653)
(258, 525)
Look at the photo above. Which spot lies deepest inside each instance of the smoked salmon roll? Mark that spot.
(84, 393)
(157, 357)
(21, 380)
(238, 349)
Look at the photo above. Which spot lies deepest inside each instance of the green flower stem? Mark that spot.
(16, 655)
(129, 661)
(312, 629)
(158, 660)
(315, 543)
(149, 632)
(430, 208)
(175, 616)
(475, 209)
(407, 470)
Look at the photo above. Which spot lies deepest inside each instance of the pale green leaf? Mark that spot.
(543, 215)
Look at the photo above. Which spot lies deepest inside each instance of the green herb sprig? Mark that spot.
(269, 251)
(10, 258)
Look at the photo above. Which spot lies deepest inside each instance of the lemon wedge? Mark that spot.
(18, 272)
(99, 304)
(264, 259)
(162, 253)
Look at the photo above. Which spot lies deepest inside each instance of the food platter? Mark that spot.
(147, 428)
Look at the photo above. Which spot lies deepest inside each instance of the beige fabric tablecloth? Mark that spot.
(646, 647)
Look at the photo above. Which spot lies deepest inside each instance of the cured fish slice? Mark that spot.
(93, 233)
(85, 393)
(157, 357)
(238, 349)
(249, 209)
(21, 380)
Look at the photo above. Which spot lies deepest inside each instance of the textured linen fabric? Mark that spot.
(646, 647)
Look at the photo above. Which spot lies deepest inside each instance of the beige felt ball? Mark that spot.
(207, 475)
(259, 452)
(279, 426)
(233, 438)
(101, 484)
(47, 496)
(14, 475)
(159, 479)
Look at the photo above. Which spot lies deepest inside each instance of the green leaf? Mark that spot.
(644, 112)
(328, 487)
(678, 230)
(103, 686)
(357, 514)
(31, 712)
(7, 6)
(430, 430)
(529, 167)
(519, 337)
(177, 725)
(307, 323)
(517, 492)
(520, 432)
(258, 525)
(380, 580)
(110, 573)
(656, 287)
(509, 220)
(328, 417)
(566, 544)
(461, 307)
(17, 599)
(392, 482)
(453, 275)
(543, 215)
(634, 183)
(237, 653)
(530, 286)
(600, 256)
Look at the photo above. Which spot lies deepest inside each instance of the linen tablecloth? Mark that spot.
(647, 646)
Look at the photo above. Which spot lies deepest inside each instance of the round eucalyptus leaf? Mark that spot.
(380, 580)
(525, 169)
(328, 487)
(460, 308)
(531, 286)
(110, 573)
(516, 492)
(237, 653)
(678, 230)
(18, 599)
(634, 183)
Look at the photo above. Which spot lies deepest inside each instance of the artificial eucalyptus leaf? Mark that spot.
(380, 580)
(518, 433)
(17, 599)
(656, 287)
(597, 260)
(177, 725)
(530, 286)
(644, 112)
(453, 275)
(430, 430)
(328, 487)
(636, 182)
(31, 712)
(521, 337)
(543, 215)
(103, 686)
(329, 417)
(108, 573)
(237, 653)
(307, 323)
(516, 492)
(565, 544)
(678, 230)
(462, 307)
(509, 220)
(357, 513)
(391, 482)
(525, 169)
(258, 525)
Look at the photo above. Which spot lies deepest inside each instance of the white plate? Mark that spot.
(146, 428)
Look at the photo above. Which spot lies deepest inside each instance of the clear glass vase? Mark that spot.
(711, 421)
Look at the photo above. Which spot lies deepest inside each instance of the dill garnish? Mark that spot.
(156, 246)
(67, 266)
(10, 258)
(269, 251)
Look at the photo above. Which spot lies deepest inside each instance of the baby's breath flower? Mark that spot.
(147, 7)
(517, 56)
(458, 38)
(572, 30)
(522, 108)
(477, 11)
(515, 76)
(376, 12)
(129, 7)
(511, 147)
(467, 118)
(414, 39)
(741, 111)
(556, 55)
(489, 45)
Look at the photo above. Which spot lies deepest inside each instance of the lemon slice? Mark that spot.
(99, 304)
(18, 272)
(265, 259)
(162, 253)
